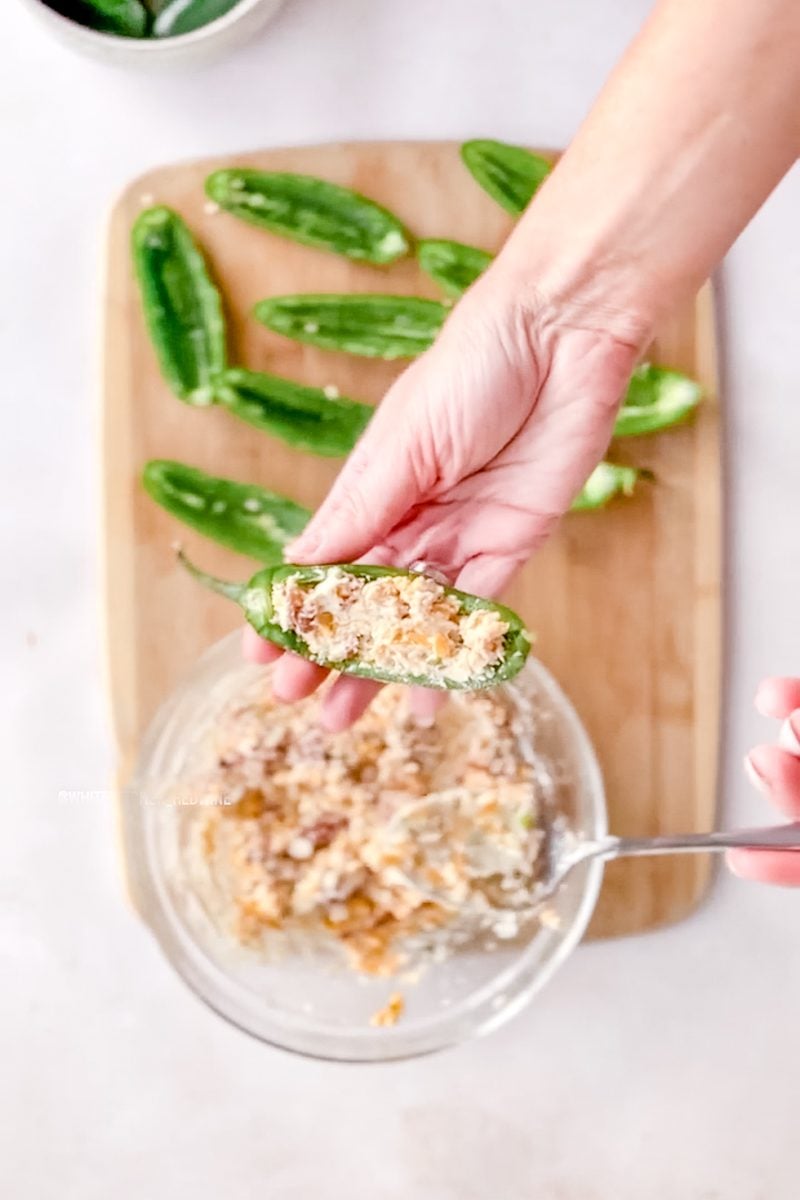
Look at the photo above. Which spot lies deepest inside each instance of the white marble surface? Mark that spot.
(662, 1067)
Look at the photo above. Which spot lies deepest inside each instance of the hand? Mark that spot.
(775, 771)
(472, 457)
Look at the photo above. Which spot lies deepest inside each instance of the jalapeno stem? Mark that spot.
(232, 591)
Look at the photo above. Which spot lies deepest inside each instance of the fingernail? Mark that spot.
(739, 864)
(762, 700)
(754, 775)
(789, 736)
(745, 865)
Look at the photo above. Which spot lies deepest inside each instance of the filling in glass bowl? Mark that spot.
(292, 840)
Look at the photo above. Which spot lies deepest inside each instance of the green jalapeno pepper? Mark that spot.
(452, 265)
(656, 399)
(182, 307)
(256, 600)
(510, 174)
(184, 16)
(606, 481)
(243, 516)
(125, 18)
(304, 417)
(311, 211)
(366, 324)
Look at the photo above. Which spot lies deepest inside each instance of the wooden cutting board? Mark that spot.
(626, 603)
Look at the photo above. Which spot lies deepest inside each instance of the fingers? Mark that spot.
(777, 696)
(475, 541)
(781, 867)
(346, 701)
(257, 649)
(293, 678)
(776, 773)
(389, 471)
(444, 420)
(488, 574)
(789, 736)
(350, 697)
(425, 703)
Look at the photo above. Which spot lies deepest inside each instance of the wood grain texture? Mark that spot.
(626, 603)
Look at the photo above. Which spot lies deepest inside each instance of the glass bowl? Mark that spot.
(232, 29)
(306, 1004)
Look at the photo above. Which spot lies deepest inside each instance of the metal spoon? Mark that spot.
(563, 851)
(441, 825)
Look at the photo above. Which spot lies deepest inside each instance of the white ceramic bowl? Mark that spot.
(308, 1006)
(212, 40)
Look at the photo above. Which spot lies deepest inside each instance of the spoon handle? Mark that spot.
(774, 837)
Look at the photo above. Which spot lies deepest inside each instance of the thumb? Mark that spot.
(387, 473)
